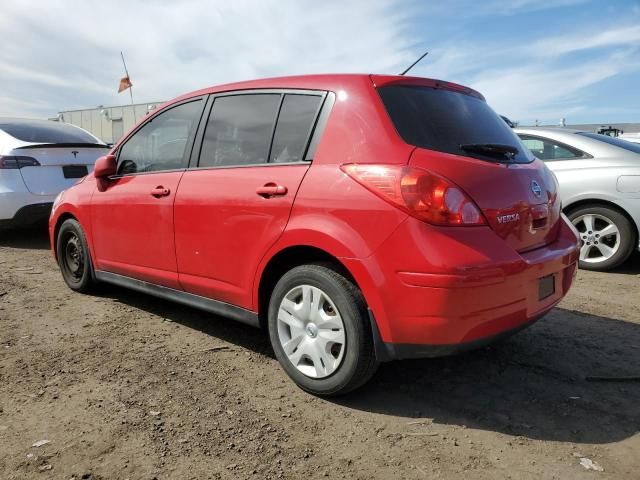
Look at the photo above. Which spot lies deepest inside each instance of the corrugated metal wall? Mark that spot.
(108, 123)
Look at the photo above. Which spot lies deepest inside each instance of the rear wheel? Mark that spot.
(73, 257)
(320, 331)
(607, 237)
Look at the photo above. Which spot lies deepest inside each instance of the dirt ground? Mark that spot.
(127, 386)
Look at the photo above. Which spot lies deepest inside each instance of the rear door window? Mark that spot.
(443, 120)
(295, 123)
(239, 130)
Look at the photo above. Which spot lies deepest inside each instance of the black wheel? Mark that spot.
(73, 257)
(607, 237)
(320, 332)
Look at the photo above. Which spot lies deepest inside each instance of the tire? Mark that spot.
(73, 257)
(619, 244)
(333, 347)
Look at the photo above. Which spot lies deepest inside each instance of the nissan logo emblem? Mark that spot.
(535, 188)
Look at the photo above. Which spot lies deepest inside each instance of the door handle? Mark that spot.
(271, 190)
(160, 191)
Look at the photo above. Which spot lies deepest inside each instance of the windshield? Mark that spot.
(618, 142)
(46, 132)
(443, 120)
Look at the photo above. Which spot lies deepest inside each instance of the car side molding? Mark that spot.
(196, 301)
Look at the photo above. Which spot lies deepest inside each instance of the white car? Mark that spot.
(630, 137)
(599, 180)
(39, 159)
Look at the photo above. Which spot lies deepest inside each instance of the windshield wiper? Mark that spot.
(491, 149)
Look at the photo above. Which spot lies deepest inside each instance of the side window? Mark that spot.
(239, 130)
(297, 115)
(161, 143)
(548, 150)
(536, 146)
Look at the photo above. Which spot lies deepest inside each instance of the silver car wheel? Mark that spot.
(311, 331)
(599, 235)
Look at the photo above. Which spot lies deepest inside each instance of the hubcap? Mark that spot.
(311, 331)
(600, 237)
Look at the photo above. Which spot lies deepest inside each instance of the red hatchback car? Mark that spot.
(359, 218)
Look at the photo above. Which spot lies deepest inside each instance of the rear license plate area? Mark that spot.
(74, 171)
(546, 287)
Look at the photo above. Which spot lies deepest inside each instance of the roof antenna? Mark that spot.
(415, 63)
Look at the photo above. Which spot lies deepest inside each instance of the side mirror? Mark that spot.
(105, 166)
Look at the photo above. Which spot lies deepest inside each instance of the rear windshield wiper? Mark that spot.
(491, 149)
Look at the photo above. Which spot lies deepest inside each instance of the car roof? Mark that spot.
(38, 123)
(329, 81)
(22, 121)
(552, 130)
(560, 134)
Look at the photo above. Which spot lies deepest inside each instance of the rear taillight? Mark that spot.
(422, 194)
(9, 161)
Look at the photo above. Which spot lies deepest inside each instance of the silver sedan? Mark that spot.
(599, 179)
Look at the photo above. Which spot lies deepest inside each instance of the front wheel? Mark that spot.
(606, 235)
(320, 332)
(73, 257)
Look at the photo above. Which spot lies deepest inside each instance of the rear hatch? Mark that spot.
(460, 137)
(60, 165)
(51, 156)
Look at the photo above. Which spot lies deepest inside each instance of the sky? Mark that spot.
(532, 59)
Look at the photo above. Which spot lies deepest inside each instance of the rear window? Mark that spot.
(442, 120)
(46, 132)
(618, 142)
(546, 149)
(295, 122)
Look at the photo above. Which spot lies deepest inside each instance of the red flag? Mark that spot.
(124, 84)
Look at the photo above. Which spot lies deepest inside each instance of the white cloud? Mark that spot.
(507, 7)
(540, 80)
(563, 44)
(528, 93)
(14, 107)
(502, 8)
(65, 54)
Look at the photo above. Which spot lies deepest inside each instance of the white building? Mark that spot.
(108, 123)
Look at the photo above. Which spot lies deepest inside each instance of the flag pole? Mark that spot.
(127, 74)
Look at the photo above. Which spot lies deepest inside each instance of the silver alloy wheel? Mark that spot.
(599, 235)
(311, 331)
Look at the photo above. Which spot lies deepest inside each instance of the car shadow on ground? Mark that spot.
(539, 384)
(222, 328)
(33, 238)
(631, 266)
(533, 385)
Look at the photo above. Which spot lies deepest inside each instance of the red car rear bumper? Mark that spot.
(476, 288)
